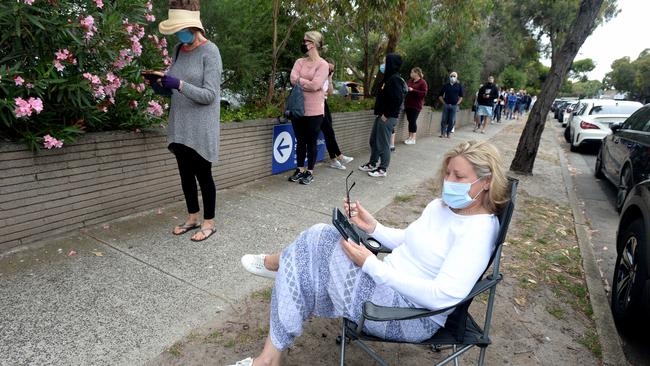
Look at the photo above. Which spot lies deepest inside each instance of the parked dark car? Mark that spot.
(559, 109)
(630, 300)
(624, 156)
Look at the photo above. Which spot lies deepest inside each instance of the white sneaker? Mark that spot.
(378, 173)
(367, 167)
(345, 159)
(244, 362)
(336, 164)
(409, 142)
(254, 263)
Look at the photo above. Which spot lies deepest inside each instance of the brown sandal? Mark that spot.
(212, 230)
(185, 227)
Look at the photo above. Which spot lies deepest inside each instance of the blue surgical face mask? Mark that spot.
(185, 36)
(456, 195)
(382, 68)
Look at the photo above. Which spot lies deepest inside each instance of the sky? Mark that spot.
(622, 36)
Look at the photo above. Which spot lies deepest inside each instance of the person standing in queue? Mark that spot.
(451, 95)
(337, 159)
(388, 102)
(194, 82)
(417, 90)
(309, 72)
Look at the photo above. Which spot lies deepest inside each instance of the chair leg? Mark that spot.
(454, 349)
(343, 343)
(481, 357)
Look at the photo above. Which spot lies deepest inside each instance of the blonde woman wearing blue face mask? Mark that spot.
(434, 263)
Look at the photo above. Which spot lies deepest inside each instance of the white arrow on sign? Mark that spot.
(282, 147)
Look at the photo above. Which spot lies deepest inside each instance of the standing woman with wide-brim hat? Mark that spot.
(193, 132)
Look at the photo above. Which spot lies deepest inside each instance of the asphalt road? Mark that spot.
(598, 199)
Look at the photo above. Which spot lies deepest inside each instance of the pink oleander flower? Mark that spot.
(128, 26)
(88, 23)
(148, 5)
(28, 2)
(155, 109)
(104, 109)
(50, 142)
(136, 47)
(63, 54)
(29, 86)
(150, 18)
(36, 104)
(163, 43)
(133, 104)
(58, 65)
(18, 80)
(23, 108)
(99, 3)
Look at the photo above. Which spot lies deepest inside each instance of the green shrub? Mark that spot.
(73, 66)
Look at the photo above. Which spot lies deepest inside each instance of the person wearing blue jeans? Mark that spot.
(451, 95)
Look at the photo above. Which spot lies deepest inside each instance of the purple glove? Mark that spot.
(170, 82)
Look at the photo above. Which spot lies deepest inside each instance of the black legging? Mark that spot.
(193, 167)
(412, 116)
(306, 130)
(328, 134)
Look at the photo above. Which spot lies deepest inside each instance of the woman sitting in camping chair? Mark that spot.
(434, 264)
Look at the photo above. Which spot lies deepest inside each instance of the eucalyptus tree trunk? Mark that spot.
(561, 61)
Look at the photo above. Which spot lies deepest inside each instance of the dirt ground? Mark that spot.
(542, 314)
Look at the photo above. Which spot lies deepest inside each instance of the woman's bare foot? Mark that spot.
(190, 223)
(207, 227)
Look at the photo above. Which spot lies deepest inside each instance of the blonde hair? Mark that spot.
(418, 71)
(486, 161)
(317, 38)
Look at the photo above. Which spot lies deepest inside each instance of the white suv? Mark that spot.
(591, 123)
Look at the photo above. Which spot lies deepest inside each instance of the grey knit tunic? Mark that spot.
(194, 112)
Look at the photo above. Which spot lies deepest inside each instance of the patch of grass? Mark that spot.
(176, 349)
(263, 295)
(556, 312)
(590, 340)
(214, 336)
(403, 198)
(230, 343)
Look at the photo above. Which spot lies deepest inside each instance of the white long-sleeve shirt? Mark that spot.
(437, 259)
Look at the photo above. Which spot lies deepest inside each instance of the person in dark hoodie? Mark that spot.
(487, 94)
(390, 95)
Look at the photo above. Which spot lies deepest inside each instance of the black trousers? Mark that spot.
(306, 130)
(193, 167)
(328, 134)
(412, 116)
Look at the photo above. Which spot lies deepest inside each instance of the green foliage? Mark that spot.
(580, 68)
(51, 50)
(512, 77)
(632, 77)
(586, 89)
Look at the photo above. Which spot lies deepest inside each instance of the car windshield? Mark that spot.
(614, 109)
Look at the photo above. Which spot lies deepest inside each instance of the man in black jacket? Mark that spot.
(389, 99)
(485, 104)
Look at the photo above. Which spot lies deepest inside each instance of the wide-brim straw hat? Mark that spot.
(178, 19)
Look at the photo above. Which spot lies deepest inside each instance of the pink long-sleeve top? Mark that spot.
(311, 76)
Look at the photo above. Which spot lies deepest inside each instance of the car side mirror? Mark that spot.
(616, 126)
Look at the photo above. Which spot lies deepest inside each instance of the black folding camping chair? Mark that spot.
(460, 332)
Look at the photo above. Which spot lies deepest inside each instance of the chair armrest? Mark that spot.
(386, 313)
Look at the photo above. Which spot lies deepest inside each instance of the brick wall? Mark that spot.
(104, 176)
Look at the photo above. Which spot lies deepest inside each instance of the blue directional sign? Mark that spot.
(284, 148)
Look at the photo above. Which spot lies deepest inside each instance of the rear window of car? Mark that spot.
(614, 109)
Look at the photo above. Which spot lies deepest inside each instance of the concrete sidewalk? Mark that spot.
(120, 293)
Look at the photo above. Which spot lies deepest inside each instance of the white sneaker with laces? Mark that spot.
(345, 159)
(254, 263)
(244, 362)
(336, 164)
(409, 142)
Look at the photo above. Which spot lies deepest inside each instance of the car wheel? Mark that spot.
(567, 134)
(598, 169)
(623, 187)
(629, 277)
